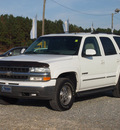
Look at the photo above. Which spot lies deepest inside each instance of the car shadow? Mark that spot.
(45, 103)
(33, 103)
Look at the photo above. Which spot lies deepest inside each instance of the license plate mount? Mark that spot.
(6, 89)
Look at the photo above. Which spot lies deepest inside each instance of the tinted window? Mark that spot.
(91, 43)
(16, 52)
(117, 39)
(108, 46)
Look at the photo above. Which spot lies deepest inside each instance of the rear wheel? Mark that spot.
(7, 100)
(116, 92)
(64, 95)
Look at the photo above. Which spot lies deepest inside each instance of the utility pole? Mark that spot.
(116, 11)
(43, 21)
(112, 23)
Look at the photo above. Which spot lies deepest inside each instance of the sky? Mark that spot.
(79, 12)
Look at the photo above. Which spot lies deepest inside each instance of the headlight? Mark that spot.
(39, 74)
(38, 69)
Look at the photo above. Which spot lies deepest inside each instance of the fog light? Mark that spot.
(36, 78)
(33, 95)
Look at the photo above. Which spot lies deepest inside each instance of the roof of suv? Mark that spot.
(81, 34)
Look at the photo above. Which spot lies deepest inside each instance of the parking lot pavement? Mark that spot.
(93, 112)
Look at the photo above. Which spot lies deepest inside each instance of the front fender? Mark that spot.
(59, 71)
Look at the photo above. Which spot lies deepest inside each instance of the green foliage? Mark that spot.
(108, 30)
(15, 31)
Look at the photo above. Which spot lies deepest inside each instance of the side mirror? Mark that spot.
(90, 52)
(23, 50)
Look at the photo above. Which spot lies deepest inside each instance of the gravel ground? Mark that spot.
(95, 112)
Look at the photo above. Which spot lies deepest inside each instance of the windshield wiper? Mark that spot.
(46, 52)
(30, 52)
(53, 52)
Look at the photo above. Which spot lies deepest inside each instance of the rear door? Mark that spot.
(112, 60)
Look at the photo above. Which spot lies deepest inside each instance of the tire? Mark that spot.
(64, 95)
(116, 91)
(7, 100)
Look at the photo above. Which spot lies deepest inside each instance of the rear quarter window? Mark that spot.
(117, 39)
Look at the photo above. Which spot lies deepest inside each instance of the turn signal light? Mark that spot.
(46, 78)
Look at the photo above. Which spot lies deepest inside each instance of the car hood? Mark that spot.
(1, 57)
(38, 58)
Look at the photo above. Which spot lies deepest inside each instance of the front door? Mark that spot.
(92, 67)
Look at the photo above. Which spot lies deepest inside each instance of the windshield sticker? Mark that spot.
(76, 40)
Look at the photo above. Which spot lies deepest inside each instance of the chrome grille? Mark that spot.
(14, 77)
(14, 73)
(14, 69)
(19, 70)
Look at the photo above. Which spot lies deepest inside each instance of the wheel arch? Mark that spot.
(70, 75)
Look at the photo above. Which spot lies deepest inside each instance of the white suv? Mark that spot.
(59, 67)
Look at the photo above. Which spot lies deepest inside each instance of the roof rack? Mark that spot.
(97, 32)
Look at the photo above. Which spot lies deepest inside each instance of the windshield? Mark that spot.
(63, 45)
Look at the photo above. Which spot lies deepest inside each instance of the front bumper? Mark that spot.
(24, 92)
(28, 90)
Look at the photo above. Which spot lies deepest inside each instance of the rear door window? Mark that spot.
(108, 46)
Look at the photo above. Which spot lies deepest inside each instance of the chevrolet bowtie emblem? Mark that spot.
(9, 73)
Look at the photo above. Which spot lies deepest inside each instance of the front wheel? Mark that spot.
(64, 95)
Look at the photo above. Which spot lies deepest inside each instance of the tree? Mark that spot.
(15, 31)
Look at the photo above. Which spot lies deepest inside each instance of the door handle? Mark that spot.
(118, 60)
(102, 62)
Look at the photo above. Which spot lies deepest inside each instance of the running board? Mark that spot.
(93, 91)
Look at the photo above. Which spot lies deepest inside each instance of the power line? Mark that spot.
(77, 11)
